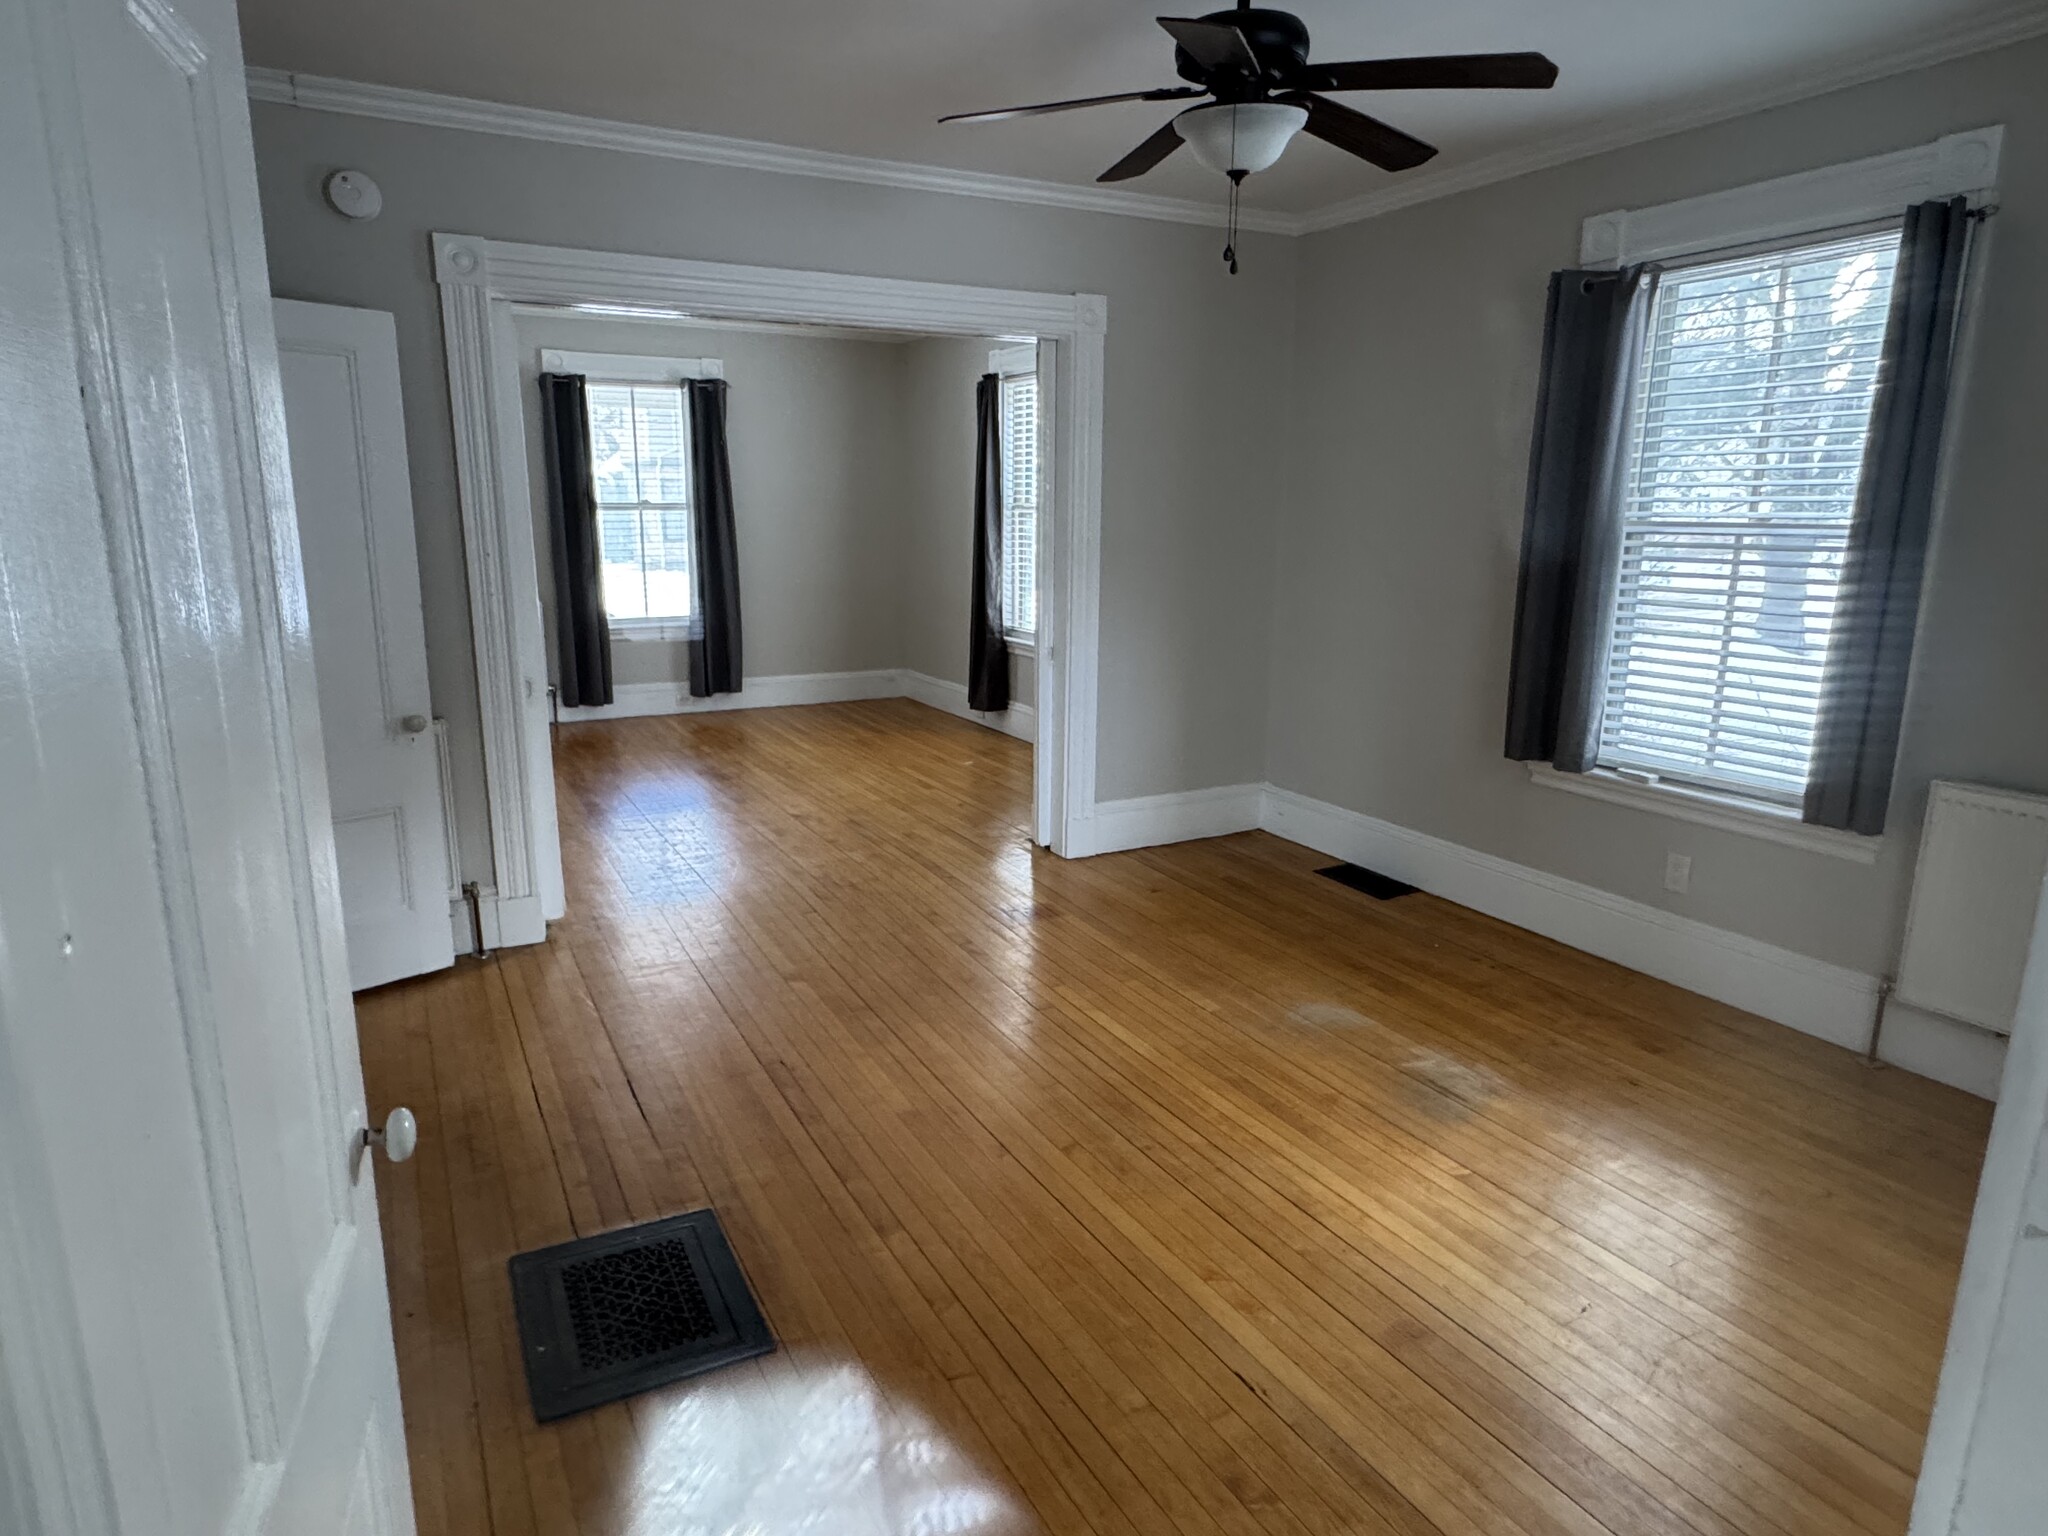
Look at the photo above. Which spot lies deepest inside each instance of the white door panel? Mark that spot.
(1983, 1473)
(191, 1288)
(339, 369)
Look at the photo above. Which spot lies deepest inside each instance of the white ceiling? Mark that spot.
(868, 77)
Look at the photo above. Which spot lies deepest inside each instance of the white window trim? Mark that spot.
(649, 629)
(1709, 808)
(1812, 204)
(1010, 363)
(627, 368)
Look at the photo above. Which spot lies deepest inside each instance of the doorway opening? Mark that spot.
(491, 290)
(883, 490)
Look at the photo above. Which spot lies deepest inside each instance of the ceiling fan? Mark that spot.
(1253, 63)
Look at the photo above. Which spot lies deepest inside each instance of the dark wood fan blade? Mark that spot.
(1366, 137)
(1145, 156)
(1450, 71)
(1212, 44)
(1164, 93)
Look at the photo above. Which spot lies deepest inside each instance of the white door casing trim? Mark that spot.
(480, 280)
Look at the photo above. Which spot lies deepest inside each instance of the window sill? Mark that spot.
(650, 629)
(1707, 809)
(1020, 644)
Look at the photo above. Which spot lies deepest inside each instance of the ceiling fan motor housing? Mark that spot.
(1278, 39)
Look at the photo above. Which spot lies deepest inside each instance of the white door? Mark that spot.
(193, 1323)
(1984, 1473)
(339, 369)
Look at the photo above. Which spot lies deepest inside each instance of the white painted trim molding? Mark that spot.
(1706, 809)
(1831, 197)
(1019, 720)
(507, 924)
(1961, 1055)
(1149, 821)
(630, 700)
(481, 280)
(1816, 998)
(619, 368)
(431, 109)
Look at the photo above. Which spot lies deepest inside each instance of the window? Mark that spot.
(1745, 448)
(640, 462)
(1018, 413)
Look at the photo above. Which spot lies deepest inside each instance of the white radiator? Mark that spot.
(1983, 855)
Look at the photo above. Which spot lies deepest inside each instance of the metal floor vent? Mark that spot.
(1376, 885)
(605, 1317)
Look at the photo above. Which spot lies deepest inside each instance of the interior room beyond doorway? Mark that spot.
(853, 474)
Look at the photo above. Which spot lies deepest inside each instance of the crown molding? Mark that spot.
(2026, 21)
(431, 109)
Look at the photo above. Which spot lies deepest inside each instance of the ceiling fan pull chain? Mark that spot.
(1236, 181)
(1230, 237)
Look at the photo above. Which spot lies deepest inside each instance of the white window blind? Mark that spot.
(1746, 442)
(1019, 425)
(640, 462)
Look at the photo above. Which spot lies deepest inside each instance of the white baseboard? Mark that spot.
(673, 698)
(507, 922)
(1960, 1055)
(1019, 720)
(1147, 821)
(1812, 996)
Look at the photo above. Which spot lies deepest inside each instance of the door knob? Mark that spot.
(401, 1134)
(412, 725)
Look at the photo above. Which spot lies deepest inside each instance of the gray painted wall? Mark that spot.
(1418, 341)
(814, 431)
(939, 376)
(1190, 360)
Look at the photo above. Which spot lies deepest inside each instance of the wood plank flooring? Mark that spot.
(1172, 1191)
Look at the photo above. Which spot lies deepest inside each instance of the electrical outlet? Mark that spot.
(1677, 872)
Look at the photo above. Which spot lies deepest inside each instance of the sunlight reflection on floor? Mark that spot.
(809, 1444)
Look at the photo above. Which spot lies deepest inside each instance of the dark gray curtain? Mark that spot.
(1863, 690)
(988, 654)
(714, 549)
(1593, 331)
(583, 637)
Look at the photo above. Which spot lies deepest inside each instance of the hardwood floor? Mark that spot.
(1173, 1191)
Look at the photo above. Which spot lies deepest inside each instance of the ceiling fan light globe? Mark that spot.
(1239, 136)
